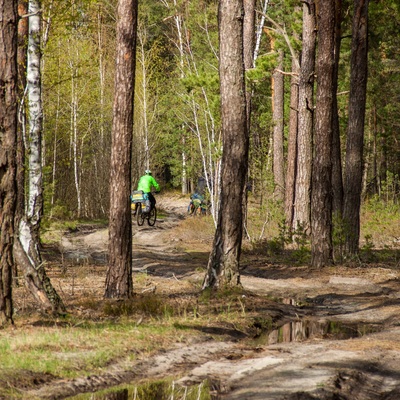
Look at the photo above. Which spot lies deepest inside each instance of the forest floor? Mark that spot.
(331, 333)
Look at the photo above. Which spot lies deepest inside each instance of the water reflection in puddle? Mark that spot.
(299, 331)
(307, 329)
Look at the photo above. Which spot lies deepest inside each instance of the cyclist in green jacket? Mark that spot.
(146, 183)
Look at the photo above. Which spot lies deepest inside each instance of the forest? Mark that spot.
(177, 121)
(284, 115)
(321, 131)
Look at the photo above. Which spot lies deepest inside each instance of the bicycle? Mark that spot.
(197, 205)
(194, 207)
(140, 204)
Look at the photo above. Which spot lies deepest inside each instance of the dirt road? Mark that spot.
(338, 335)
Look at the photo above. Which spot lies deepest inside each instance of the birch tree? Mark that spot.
(8, 134)
(26, 247)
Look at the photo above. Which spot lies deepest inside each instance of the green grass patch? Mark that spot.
(159, 389)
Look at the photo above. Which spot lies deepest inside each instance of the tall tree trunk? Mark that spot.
(301, 216)
(355, 133)
(321, 195)
(292, 145)
(277, 117)
(337, 179)
(249, 37)
(119, 273)
(8, 135)
(223, 264)
(248, 47)
(27, 246)
(23, 30)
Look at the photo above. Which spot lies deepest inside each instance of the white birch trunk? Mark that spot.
(178, 24)
(260, 31)
(74, 137)
(26, 248)
(35, 115)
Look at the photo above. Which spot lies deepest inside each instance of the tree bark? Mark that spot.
(223, 264)
(337, 177)
(8, 134)
(278, 94)
(355, 132)
(248, 48)
(119, 273)
(321, 195)
(292, 146)
(301, 218)
(249, 40)
(23, 30)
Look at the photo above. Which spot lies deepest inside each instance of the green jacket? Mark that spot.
(146, 182)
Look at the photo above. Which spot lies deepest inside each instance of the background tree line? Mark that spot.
(177, 122)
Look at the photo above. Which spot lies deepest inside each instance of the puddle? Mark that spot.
(160, 390)
(299, 331)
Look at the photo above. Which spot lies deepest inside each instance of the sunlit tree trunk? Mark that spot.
(305, 128)
(355, 131)
(27, 246)
(23, 29)
(278, 132)
(100, 159)
(223, 264)
(321, 195)
(119, 273)
(35, 124)
(74, 136)
(8, 135)
(55, 140)
(249, 37)
(292, 145)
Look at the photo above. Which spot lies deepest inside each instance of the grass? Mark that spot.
(104, 333)
(68, 351)
(160, 390)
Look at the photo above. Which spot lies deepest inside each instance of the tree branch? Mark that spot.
(282, 31)
(31, 14)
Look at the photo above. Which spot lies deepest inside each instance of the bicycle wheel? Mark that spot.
(152, 215)
(140, 216)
